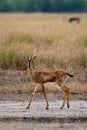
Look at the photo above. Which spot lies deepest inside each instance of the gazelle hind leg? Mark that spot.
(60, 89)
(66, 97)
(68, 100)
(47, 104)
(32, 97)
(66, 90)
(63, 102)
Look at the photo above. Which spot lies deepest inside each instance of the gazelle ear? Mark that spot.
(24, 58)
(34, 57)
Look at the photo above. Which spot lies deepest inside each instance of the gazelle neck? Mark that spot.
(30, 69)
(31, 72)
(29, 66)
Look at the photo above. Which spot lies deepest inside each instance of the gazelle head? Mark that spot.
(29, 59)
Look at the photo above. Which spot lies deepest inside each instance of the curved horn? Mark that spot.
(31, 57)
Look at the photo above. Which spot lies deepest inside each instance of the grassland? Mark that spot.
(57, 43)
(50, 36)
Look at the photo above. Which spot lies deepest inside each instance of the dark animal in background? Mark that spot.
(74, 20)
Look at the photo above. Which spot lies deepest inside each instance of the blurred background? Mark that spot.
(43, 28)
(43, 5)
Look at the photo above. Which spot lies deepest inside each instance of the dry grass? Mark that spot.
(75, 88)
(57, 43)
(50, 36)
(18, 82)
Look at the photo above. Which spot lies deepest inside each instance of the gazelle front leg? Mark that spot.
(47, 104)
(31, 97)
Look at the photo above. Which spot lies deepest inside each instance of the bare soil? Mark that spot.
(15, 116)
(40, 97)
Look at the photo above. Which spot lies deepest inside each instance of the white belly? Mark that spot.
(53, 85)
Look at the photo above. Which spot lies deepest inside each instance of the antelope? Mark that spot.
(42, 77)
(74, 19)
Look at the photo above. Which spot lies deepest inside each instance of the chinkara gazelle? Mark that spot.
(42, 77)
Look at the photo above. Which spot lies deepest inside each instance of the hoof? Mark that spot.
(46, 108)
(27, 107)
(68, 107)
(61, 107)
